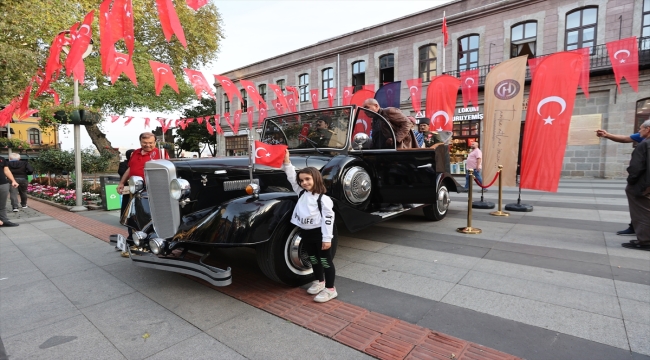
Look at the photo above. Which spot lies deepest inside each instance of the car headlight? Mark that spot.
(179, 188)
(139, 237)
(136, 184)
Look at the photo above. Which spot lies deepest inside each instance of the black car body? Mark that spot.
(202, 204)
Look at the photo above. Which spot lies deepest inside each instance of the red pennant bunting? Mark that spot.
(292, 98)
(262, 115)
(169, 21)
(116, 19)
(236, 120)
(217, 124)
(550, 106)
(253, 94)
(199, 83)
(313, 94)
(23, 112)
(280, 96)
(196, 4)
(415, 89)
(163, 75)
(114, 118)
(106, 43)
(128, 120)
(7, 112)
(228, 87)
(331, 95)
(250, 111)
(348, 91)
(441, 102)
(127, 27)
(624, 55)
(53, 65)
(80, 42)
(227, 117)
(277, 106)
(146, 122)
(122, 64)
(166, 126)
(199, 120)
(208, 126)
(469, 86)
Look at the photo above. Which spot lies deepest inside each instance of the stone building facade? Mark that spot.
(481, 33)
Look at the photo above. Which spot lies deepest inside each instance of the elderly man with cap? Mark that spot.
(381, 137)
(323, 133)
(431, 138)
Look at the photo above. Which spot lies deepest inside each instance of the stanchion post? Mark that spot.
(469, 229)
(499, 212)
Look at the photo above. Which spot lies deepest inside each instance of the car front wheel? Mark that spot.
(284, 259)
(438, 210)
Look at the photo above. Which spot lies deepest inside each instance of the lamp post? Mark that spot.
(77, 137)
(300, 87)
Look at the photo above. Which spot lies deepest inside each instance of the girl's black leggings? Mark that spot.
(321, 260)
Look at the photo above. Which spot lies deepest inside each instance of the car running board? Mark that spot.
(211, 274)
(386, 215)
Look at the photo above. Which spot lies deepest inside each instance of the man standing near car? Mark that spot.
(474, 162)
(6, 180)
(139, 157)
(19, 169)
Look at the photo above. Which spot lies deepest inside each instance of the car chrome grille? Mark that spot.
(165, 211)
(238, 184)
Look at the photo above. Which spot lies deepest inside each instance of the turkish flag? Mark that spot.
(292, 98)
(314, 98)
(348, 91)
(331, 95)
(445, 33)
(584, 76)
(169, 21)
(196, 4)
(128, 120)
(277, 106)
(624, 55)
(469, 86)
(550, 105)
(237, 121)
(146, 122)
(269, 155)
(53, 64)
(208, 126)
(250, 111)
(280, 96)
(415, 89)
(361, 96)
(200, 120)
(217, 125)
(254, 95)
(116, 19)
(228, 87)
(23, 112)
(127, 27)
(163, 74)
(305, 130)
(199, 83)
(81, 40)
(114, 118)
(441, 102)
(262, 114)
(122, 64)
(106, 43)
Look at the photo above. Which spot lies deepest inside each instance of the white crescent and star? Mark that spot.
(226, 83)
(627, 53)
(161, 69)
(549, 99)
(440, 113)
(364, 123)
(257, 155)
(84, 26)
(469, 78)
(413, 89)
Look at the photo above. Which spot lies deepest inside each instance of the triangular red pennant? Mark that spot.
(169, 21)
(196, 4)
(163, 75)
(250, 111)
(208, 126)
(624, 56)
(122, 64)
(261, 115)
(80, 41)
(236, 121)
(114, 118)
(128, 120)
(146, 122)
(199, 83)
(331, 95)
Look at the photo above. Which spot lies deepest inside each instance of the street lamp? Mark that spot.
(77, 136)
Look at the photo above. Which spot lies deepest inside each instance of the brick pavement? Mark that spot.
(375, 334)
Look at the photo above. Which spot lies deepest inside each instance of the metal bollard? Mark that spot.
(469, 229)
(499, 212)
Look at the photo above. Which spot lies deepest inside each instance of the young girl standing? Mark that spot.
(314, 214)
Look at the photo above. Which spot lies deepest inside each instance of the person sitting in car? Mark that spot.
(380, 135)
(323, 134)
(431, 139)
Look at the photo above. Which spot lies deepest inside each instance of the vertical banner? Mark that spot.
(348, 91)
(441, 102)
(314, 98)
(331, 95)
(469, 87)
(504, 95)
(550, 106)
(624, 55)
(415, 89)
(389, 95)
(250, 111)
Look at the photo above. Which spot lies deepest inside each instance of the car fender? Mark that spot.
(137, 214)
(447, 180)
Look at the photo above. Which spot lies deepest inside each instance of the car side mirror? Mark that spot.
(360, 139)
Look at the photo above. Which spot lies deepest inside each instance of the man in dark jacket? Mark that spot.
(19, 169)
(6, 182)
(124, 165)
(638, 191)
(382, 138)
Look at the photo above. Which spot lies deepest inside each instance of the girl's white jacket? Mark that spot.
(305, 214)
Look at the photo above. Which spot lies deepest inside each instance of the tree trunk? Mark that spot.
(101, 143)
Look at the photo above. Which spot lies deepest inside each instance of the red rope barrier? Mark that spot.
(492, 183)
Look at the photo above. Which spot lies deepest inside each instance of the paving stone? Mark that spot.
(198, 347)
(638, 335)
(409, 333)
(357, 336)
(53, 265)
(386, 347)
(327, 325)
(636, 311)
(427, 269)
(632, 291)
(91, 286)
(18, 273)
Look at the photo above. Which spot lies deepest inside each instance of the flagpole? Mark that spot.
(444, 15)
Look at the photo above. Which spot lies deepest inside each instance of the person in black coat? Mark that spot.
(19, 169)
(124, 165)
(638, 190)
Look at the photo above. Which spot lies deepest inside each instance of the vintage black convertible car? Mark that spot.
(198, 205)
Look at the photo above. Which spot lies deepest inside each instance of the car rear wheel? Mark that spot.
(438, 210)
(283, 257)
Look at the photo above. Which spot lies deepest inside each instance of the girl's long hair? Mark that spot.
(319, 185)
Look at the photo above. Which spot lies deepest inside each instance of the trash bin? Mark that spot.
(110, 197)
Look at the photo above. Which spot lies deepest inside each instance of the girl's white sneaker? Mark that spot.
(316, 287)
(326, 295)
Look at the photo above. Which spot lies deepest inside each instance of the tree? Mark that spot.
(28, 27)
(196, 137)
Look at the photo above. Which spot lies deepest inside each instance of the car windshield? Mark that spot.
(320, 129)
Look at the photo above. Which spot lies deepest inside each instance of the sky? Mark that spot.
(277, 27)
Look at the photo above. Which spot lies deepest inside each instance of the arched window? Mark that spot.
(581, 26)
(261, 89)
(358, 74)
(468, 52)
(642, 113)
(428, 62)
(244, 100)
(303, 85)
(523, 39)
(226, 104)
(386, 69)
(34, 136)
(281, 83)
(327, 82)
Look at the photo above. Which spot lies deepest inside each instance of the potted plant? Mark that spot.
(52, 115)
(13, 143)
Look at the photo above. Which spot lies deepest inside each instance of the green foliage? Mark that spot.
(27, 29)
(91, 163)
(54, 161)
(50, 115)
(14, 143)
(196, 136)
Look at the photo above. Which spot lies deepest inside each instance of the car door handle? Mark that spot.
(425, 166)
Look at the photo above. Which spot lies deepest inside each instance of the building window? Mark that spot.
(261, 89)
(303, 84)
(328, 81)
(237, 145)
(386, 69)
(428, 62)
(244, 100)
(34, 136)
(226, 105)
(645, 30)
(358, 75)
(282, 84)
(468, 52)
(523, 39)
(581, 27)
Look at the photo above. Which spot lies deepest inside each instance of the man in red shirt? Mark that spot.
(139, 157)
